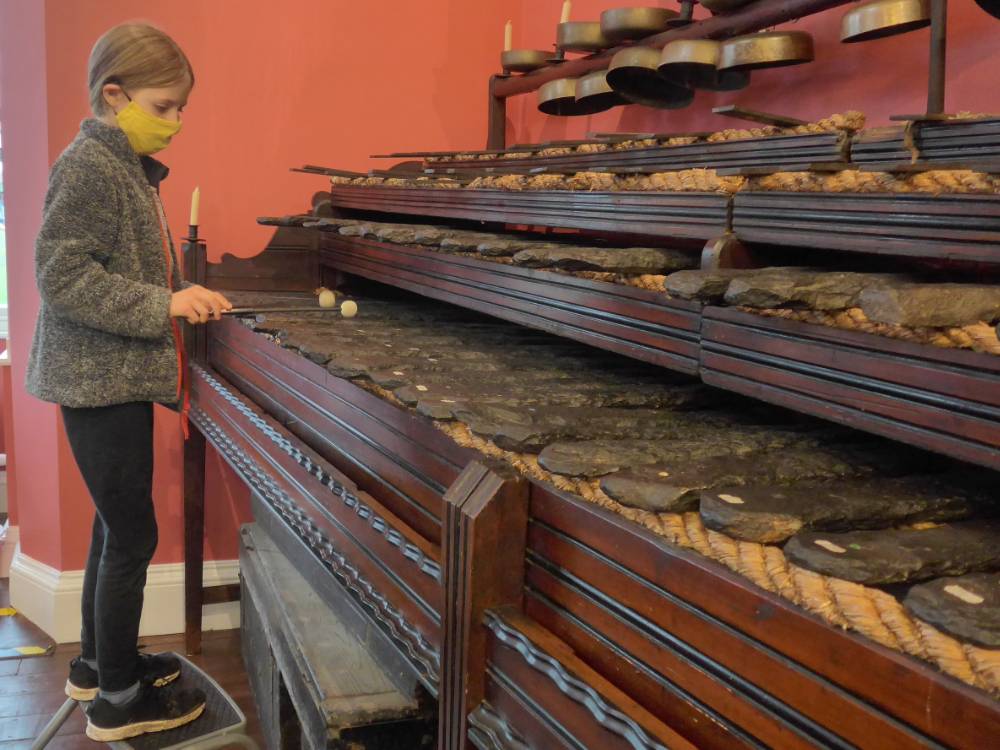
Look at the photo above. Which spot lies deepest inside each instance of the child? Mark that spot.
(107, 347)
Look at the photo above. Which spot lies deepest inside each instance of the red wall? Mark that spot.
(281, 85)
(881, 78)
(278, 85)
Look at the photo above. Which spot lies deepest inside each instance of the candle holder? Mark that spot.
(192, 235)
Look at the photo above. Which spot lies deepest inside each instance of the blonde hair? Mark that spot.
(135, 56)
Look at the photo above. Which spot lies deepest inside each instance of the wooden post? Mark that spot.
(194, 538)
(938, 57)
(496, 135)
(195, 342)
(486, 525)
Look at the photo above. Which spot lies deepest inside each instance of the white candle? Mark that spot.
(195, 204)
(567, 8)
(508, 37)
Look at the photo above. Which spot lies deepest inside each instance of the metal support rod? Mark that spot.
(938, 57)
(753, 17)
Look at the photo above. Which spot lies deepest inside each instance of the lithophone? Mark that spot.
(616, 454)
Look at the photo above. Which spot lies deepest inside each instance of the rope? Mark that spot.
(935, 181)
(979, 337)
(844, 604)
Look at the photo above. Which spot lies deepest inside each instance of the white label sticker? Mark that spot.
(830, 546)
(731, 499)
(969, 597)
(397, 372)
(447, 401)
(663, 474)
(421, 387)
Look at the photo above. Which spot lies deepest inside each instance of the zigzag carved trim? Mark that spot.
(572, 687)
(415, 645)
(411, 552)
(490, 731)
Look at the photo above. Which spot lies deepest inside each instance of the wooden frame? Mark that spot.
(944, 400)
(588, 584)
(536, 618)
(700, 216)
(635, 322)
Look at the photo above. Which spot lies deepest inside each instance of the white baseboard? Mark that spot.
(51, 598)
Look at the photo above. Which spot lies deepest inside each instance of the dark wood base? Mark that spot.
(638, 323)
(620, 639)
(681, 215)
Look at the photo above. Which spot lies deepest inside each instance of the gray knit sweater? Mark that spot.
(104, 334)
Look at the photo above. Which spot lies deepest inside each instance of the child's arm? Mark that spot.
(78, 227)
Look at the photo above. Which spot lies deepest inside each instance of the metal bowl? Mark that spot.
(633, 74)
(622, 24)
(558, 97)
(594, 94)
(581, 36)
(990, 6)
(693, 63)
(766, 49)
(882, 18)
(524, 60)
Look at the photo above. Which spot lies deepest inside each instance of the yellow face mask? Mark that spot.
(147, 133)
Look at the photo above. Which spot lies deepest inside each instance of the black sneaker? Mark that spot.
(157, 669)
(153, 710)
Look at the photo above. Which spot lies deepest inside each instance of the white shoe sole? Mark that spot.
(143, 727)
(90, 694)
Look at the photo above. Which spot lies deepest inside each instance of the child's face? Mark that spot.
(166, 102)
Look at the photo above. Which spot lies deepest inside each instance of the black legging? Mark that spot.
(113, 446)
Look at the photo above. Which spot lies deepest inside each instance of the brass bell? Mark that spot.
(581, 36)
(622, 24)
(558, 97)
(694, 63)
(766, 49)
(882, 18)
(633, 74)
(594, 94)
(524, 60)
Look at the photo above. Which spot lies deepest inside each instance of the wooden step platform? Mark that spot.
(314, 680)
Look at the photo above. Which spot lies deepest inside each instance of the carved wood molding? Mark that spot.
(605, 714)
(422, 653)
(490, 731)
(410, 551)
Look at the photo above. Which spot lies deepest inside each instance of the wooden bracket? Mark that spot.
(486, 524)
(764, 118)
(726, 251)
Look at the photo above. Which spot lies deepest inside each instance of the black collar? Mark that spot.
(114, 139)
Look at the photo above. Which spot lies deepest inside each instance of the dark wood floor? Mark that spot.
(31, 689)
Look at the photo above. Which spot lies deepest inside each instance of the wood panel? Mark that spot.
(347, 531)
(570, 702)
(765, 649)
(952, 227)
(683, 215)
(788, 151)
(635, 322)
(946, 401)
(399, 458)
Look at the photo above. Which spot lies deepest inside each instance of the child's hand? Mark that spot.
(198, 304)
